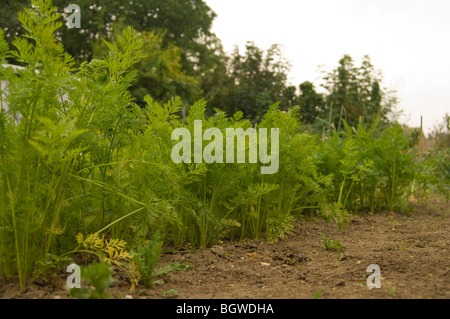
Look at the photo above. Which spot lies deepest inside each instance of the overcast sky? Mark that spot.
(408, 40)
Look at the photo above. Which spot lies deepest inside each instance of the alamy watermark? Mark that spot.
(374, 280)
(74, 20)
(214, 151)
(74, 280)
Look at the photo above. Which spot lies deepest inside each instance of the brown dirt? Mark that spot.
(412, 251)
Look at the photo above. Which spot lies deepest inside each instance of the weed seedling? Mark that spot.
(331, 244)
(171, 293)
(392, 291)
(99, 278)
(398, 246)
(146, 258)
(317, 294)
(392, 222)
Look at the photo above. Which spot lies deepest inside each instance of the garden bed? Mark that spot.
(412, 251)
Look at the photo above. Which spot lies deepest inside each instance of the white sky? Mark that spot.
(408, 40)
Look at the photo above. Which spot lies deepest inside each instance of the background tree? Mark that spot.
(181, 22)
(184, 58)
(311, 103)
(9, 10)
(354, 94)
(185, 25)
(181, 31)
(259, 80)
(161, 73)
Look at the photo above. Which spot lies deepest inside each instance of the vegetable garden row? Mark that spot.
(84, 170)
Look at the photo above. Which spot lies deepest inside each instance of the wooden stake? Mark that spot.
(420, 152)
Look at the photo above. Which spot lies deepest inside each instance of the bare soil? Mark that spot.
(412, 251)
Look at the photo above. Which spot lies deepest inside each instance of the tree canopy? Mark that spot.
(184, 58)
(354, 93)
(259, 80)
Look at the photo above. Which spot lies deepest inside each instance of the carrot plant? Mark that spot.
(35, 176)
(146, 258)
(371, 170)
(49, 159)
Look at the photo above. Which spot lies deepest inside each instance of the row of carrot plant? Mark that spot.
(84, 169)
